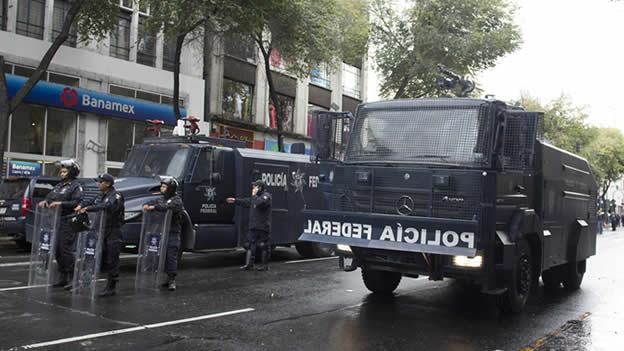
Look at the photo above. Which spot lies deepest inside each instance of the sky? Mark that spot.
(571, 47)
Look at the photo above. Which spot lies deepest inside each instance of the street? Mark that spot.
(307, 305)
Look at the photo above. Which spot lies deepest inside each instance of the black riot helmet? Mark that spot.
(73, 169)
(260, 184)
(172, 185)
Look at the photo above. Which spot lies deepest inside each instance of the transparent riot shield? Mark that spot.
(88, 256)
(152, 249)
(45, 231)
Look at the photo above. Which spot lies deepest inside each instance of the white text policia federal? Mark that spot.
(396, 233)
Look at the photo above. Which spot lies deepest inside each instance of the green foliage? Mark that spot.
(96, 19)
(605, 154)
(354, 29)
(465, 36)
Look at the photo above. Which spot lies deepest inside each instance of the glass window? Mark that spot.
(288, 110)
(30, 14)
(113, 171)
(143, 95)
(61, 7)
(8, 69)
(63, 79)
(139, 132)
(169, 54)
(120, 37)
(126, 3)
(61, 133)
(237, 100)
(321, 76)
(240, 46)
(121, 91)
(351, 81)
(3, 14)
(146, 50)
(25, 71)
(27, 126)
(120, 137)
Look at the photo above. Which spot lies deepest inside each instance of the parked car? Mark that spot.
(11, 194)
(36, 190)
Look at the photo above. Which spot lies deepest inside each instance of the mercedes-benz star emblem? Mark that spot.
(405, 205)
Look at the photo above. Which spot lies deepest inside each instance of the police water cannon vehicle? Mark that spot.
(454, 188)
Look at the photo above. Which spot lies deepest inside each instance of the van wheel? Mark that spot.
(520, 284)
(381, 282)
(573, 275)
(314, 250)
(552, 279)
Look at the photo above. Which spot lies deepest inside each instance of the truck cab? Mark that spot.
(455, 188)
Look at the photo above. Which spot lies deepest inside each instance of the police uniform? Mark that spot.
(112, 203)
(259, 232)
(69, 194)
(176, 206)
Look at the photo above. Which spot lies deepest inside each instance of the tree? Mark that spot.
(606, 156)
(306, 33)
(94, 18)
(465, 36)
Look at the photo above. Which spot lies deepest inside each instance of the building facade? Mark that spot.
(94, 102)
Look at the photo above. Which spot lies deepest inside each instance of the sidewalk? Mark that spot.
(608, 232)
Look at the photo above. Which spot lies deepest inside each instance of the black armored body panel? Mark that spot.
(460, 188)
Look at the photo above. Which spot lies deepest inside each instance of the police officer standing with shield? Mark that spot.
(259, 233)
(65, 195)
(170, 201)
(112, 203)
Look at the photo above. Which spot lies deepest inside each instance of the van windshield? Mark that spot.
(156, 160)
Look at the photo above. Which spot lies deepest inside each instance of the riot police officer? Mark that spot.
(170, 201)
(65, 195)
(112, 203)
(259, 233)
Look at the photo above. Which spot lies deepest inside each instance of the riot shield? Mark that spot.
(88, 256)
(152, 249)
(45, 231)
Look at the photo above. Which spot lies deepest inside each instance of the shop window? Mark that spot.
(237, 100)
(143, 95)
(288, 113)
(27, 128)
(61, 133)
(121, 91)
(25, 71)
(321, 76)
(146, 49)
(120, 139)
(169, 54)
(3, 14)
(30, 15)
(120, 37)
(61, 8)
(351, 77)
(63, 79)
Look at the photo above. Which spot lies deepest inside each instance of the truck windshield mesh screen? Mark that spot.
(455, 136)
(151, 162)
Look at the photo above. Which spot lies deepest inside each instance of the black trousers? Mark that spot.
(111, 250)
(171, 261)
(257, 239)
(65, 248)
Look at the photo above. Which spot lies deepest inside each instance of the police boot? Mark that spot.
(62, 280)
(171, 284)
(70, 281)
(248, 262)
(111, 283)
(264, 266)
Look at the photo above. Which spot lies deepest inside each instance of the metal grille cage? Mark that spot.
(434, 132)
(520, 133)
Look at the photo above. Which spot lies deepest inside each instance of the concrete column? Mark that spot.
(11, 15)
(134, 35)
(160, 41)
(261, 94)
(216, 77)
(47, 20)
(336, 86)
(364, 72)
(301, 106)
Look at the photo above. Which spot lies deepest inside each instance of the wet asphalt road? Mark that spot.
(309, 305)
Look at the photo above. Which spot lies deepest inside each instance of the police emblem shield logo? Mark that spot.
(42, 264)
(152, 249)
(89, 256)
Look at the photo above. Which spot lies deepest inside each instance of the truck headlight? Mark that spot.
(130, 215)
(469, 262)
(343, 248)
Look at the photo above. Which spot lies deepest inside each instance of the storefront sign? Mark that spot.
(24, 169)
(61, 96)
(227, 132)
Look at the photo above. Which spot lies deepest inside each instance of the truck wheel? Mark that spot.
(573, 275)
(381, 282)
(314, 250)
(519, 286)
(552, 279)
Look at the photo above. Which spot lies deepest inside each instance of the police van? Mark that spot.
(454, 187)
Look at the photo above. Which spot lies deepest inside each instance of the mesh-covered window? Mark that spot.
(427, 135)
(30, 15)
(169, 54)
(61, 7)
(120, 37)
(521, 129)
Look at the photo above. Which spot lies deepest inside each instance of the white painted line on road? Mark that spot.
(23, 263)
(312, 260)
(33, 286)
(133, 329)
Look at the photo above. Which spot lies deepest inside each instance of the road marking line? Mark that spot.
(35, 286)
(312, 260)
(15, 264)
(133, 329)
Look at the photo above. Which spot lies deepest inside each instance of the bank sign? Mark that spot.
(24, 169)
(388, 232)
(61, 96)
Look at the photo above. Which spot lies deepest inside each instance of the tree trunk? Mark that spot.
(401, 91)
(208, 46)
(277, 105)
(176, 68)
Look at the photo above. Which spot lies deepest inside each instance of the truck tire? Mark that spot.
(314, 250)
(552, 279)
(520, 285)
(381, 282)
(573, 273)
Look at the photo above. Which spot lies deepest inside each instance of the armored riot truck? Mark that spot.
(455, 187)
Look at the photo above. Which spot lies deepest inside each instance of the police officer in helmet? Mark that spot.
(112, 203)
(259, 233)
(65, 195)
(170, 201)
